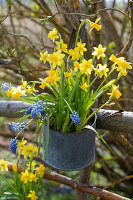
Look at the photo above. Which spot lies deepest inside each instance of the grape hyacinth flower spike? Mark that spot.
(75, 118)
(13, 145)
(36, 109)
(6, 86)
(18, 126)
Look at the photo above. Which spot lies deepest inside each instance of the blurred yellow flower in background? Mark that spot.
(53, 34)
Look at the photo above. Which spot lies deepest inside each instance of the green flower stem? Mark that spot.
(104, 80)
(22, 130)
(88, 82)
(62, 86)
(37, 131)
(40, 138)
(37, 187)
(73, 90)
(93, 81)
(86, 20)
(11, 186)
(107, 102)
(68, 61)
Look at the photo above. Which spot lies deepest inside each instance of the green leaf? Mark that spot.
(45, 20)
(40, 139)
(47, 139)
(90, 127)
(108, 84)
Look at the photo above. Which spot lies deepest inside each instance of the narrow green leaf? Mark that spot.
(40, 139)
(47, 139)
(90, 127)
(108, 84)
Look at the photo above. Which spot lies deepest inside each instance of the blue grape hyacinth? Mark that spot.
(18, 126)
(6, 86)
(75, 118)
(13, 145)
(36, 109)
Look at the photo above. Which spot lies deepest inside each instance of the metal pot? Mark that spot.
(70, 151)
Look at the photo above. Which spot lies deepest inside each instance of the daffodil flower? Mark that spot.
(32, 195)
(61, 46)
(86, 66)
(95, 25)
(99, 52)
(53, 34)
(44, 56)
(56, 59)
(115, 92)
(3, 165)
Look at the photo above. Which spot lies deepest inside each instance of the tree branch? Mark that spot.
(76, 185)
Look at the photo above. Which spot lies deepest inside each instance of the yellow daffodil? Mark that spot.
(21, 144)
(84, 86)
(3, 165)
(113, 59)
(123, 65)
(101, 70)
(115, 92)
(40, 171)
(53, 34)
(74, 53)
(44, 83)
(32, 177)
(76, 66)
(56, 59)
(81, 47)
(24, 84)
(95, 25)
(29, 151)
(99, 52)
(31, 165)
(32, 195)
(31, 89)
(53, 77)
(68, 75)
(8, 92)
(44, 56)
(16, 92)
(15, 169)
(25, 177)
(61, 46)
(86, 66)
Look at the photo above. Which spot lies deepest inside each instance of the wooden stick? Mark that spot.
(52, 176)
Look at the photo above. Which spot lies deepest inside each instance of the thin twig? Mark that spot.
(19, 35)
(94, 15)
(6, 15)
(130, 40)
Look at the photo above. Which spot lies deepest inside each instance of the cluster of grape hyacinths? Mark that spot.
(18, 126)
(6, 86)
(13, 145)
(36, 109)
(75, 118)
